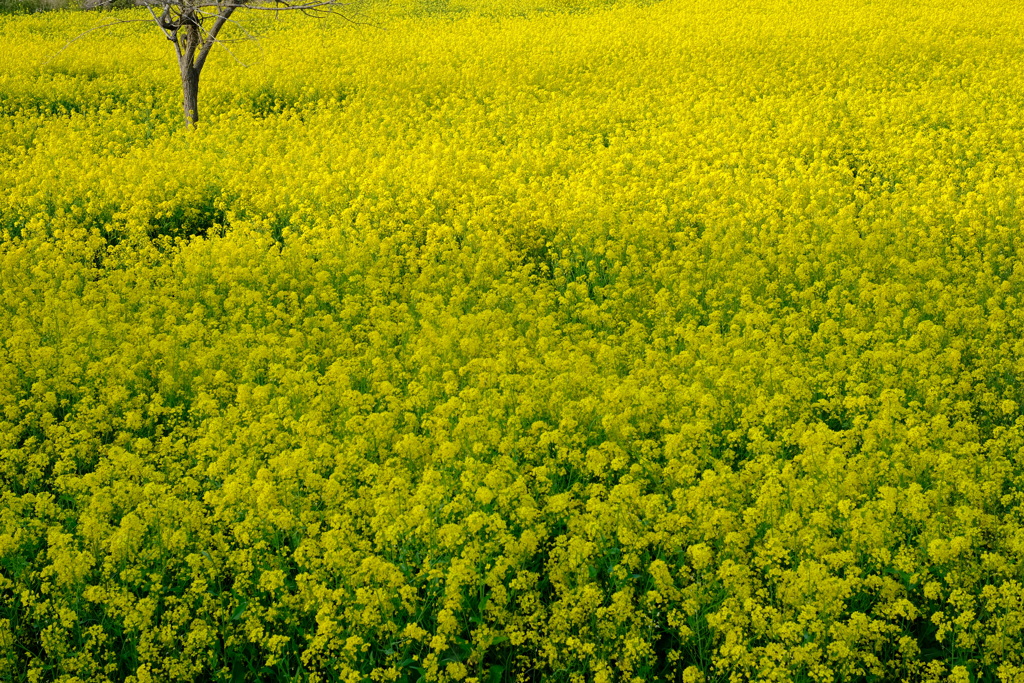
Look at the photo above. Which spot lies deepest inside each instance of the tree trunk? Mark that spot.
(190, 91)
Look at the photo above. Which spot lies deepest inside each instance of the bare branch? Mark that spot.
(159, 21)
(297, 6)
(83, 34)
(321, 9)
(211, 36)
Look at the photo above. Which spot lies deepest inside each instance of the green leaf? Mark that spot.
(237, 614)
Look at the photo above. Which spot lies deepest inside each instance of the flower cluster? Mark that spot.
(614, 343)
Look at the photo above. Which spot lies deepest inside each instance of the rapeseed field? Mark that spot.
(676, 341)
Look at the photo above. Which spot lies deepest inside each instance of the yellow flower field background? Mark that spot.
(490, 342)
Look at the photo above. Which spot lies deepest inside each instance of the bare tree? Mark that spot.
(194, 27)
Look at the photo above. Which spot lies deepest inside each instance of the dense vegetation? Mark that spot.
(667, 342)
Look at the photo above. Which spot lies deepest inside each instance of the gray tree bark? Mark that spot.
(190, 92)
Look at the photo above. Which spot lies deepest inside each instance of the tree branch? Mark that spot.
(83, 34)
(211, 36)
